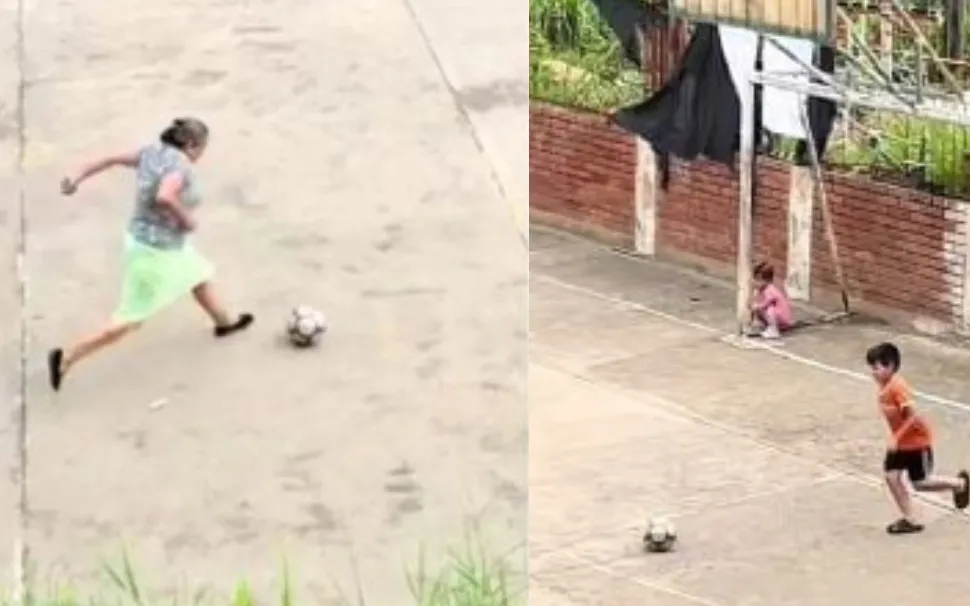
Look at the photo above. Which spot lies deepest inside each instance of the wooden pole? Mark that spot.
(818, 192)
(956, 19)
(745, 204)
(925, 44)
(874, 70)
(886, 36)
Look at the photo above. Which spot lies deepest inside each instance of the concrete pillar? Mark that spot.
(962, 217)
(646, 198)
(801, 204)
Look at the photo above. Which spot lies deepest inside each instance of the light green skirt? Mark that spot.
(155, 278)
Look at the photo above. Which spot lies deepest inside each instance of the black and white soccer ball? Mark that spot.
(305, 326)
(660, 536)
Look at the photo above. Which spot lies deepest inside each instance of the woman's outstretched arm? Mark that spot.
(70, 184)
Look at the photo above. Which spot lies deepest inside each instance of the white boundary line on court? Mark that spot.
(520, 219)
(675, 409)
(571, 544)
(755, 345)
(660, 587)
(762, 494)
(684, 412)
(625, 303)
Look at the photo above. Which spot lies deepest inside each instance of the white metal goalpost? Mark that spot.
(883, 96)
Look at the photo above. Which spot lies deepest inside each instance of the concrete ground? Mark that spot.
(342, 174)
(768, 460)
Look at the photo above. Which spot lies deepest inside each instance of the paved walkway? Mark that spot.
(341, 174)
(768, 460)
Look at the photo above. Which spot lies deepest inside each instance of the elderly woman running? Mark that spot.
(160, 264)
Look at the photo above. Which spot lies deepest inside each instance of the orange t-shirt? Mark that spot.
(895, 396)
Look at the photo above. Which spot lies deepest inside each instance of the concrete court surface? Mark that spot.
(767, 460)
(340, 174)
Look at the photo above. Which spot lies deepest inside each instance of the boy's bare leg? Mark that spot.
(894, 480)
(958, 486)
(940, 484)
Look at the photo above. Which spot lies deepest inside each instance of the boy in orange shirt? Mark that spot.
(910, 445)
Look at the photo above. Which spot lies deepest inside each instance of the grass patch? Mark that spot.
(911, 152)
(933, 152)
(469, 577)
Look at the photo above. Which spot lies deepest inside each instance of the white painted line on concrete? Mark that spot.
(686, 413)
(659, 587)
(623, 303)
(762, 346)
(520, 219)
(805, 361)
(762, 494)
(638, 528)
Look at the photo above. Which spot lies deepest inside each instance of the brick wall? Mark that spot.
(900, 248)
(897, 246)
(698, 214)
(581, 169)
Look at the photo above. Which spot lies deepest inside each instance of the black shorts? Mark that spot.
(918, 464)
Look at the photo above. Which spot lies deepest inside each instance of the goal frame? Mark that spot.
(951, 111)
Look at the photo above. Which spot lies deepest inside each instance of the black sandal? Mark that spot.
(961, 498)
(241, 323)
(55, 362)
(904, 526)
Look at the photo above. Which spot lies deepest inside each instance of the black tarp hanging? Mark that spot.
(627, 18)
(821, 112)
(697, 112)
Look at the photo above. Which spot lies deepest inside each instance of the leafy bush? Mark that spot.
(575, 60)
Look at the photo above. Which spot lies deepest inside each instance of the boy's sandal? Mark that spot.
(904, 526)
(961, 498)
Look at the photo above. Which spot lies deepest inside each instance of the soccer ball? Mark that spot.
(660, 536)
(305, 326)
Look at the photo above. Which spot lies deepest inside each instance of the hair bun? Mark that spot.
(185, 131)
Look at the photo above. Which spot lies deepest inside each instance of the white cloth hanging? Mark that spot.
(782, 109)
(740, 49)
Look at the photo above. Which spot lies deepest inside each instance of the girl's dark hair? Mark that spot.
(884, 354)
(185, 132)
(764, 271)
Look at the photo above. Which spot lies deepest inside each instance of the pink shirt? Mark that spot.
(772, 297)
